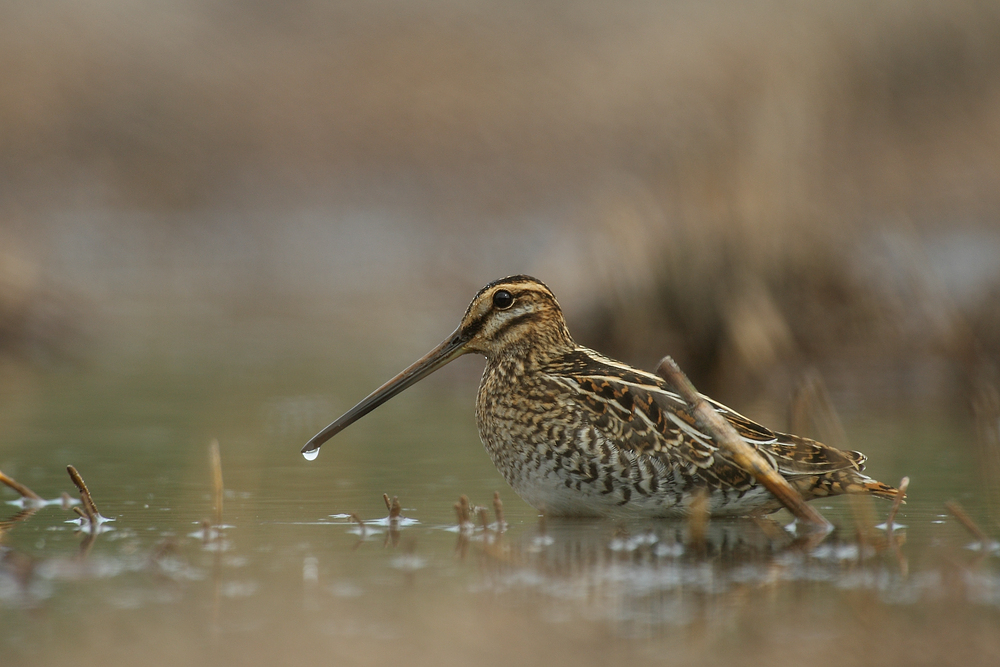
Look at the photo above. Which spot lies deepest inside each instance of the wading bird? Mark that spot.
(578, 434)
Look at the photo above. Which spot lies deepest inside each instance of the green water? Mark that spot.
(291, 580)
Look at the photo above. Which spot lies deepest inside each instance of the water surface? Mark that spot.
(291, 578)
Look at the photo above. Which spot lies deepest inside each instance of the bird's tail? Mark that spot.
(842, 481)
(877, 489)
(850, 481)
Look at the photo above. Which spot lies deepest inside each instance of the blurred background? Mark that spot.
(232, 220)
(756, 190)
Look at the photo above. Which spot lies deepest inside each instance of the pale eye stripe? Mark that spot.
(514, 319)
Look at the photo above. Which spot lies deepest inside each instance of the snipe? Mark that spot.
(578, 434)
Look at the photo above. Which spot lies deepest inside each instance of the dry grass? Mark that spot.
(89, 512)
(757, 114)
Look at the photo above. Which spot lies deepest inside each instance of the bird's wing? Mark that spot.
(638, 412)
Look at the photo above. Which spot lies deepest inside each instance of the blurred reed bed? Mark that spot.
(754, 190)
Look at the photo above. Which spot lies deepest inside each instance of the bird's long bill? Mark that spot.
(451, 348)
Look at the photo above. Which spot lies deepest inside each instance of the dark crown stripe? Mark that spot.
(515, 280)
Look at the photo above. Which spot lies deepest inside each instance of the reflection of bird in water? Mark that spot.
(578, 434)
(645, 575)
(561, 546)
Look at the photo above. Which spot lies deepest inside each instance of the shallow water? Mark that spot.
(290, 577)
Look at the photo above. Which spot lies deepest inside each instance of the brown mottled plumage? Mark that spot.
(578, 434)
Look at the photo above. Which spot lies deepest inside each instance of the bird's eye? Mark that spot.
(503, 299)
